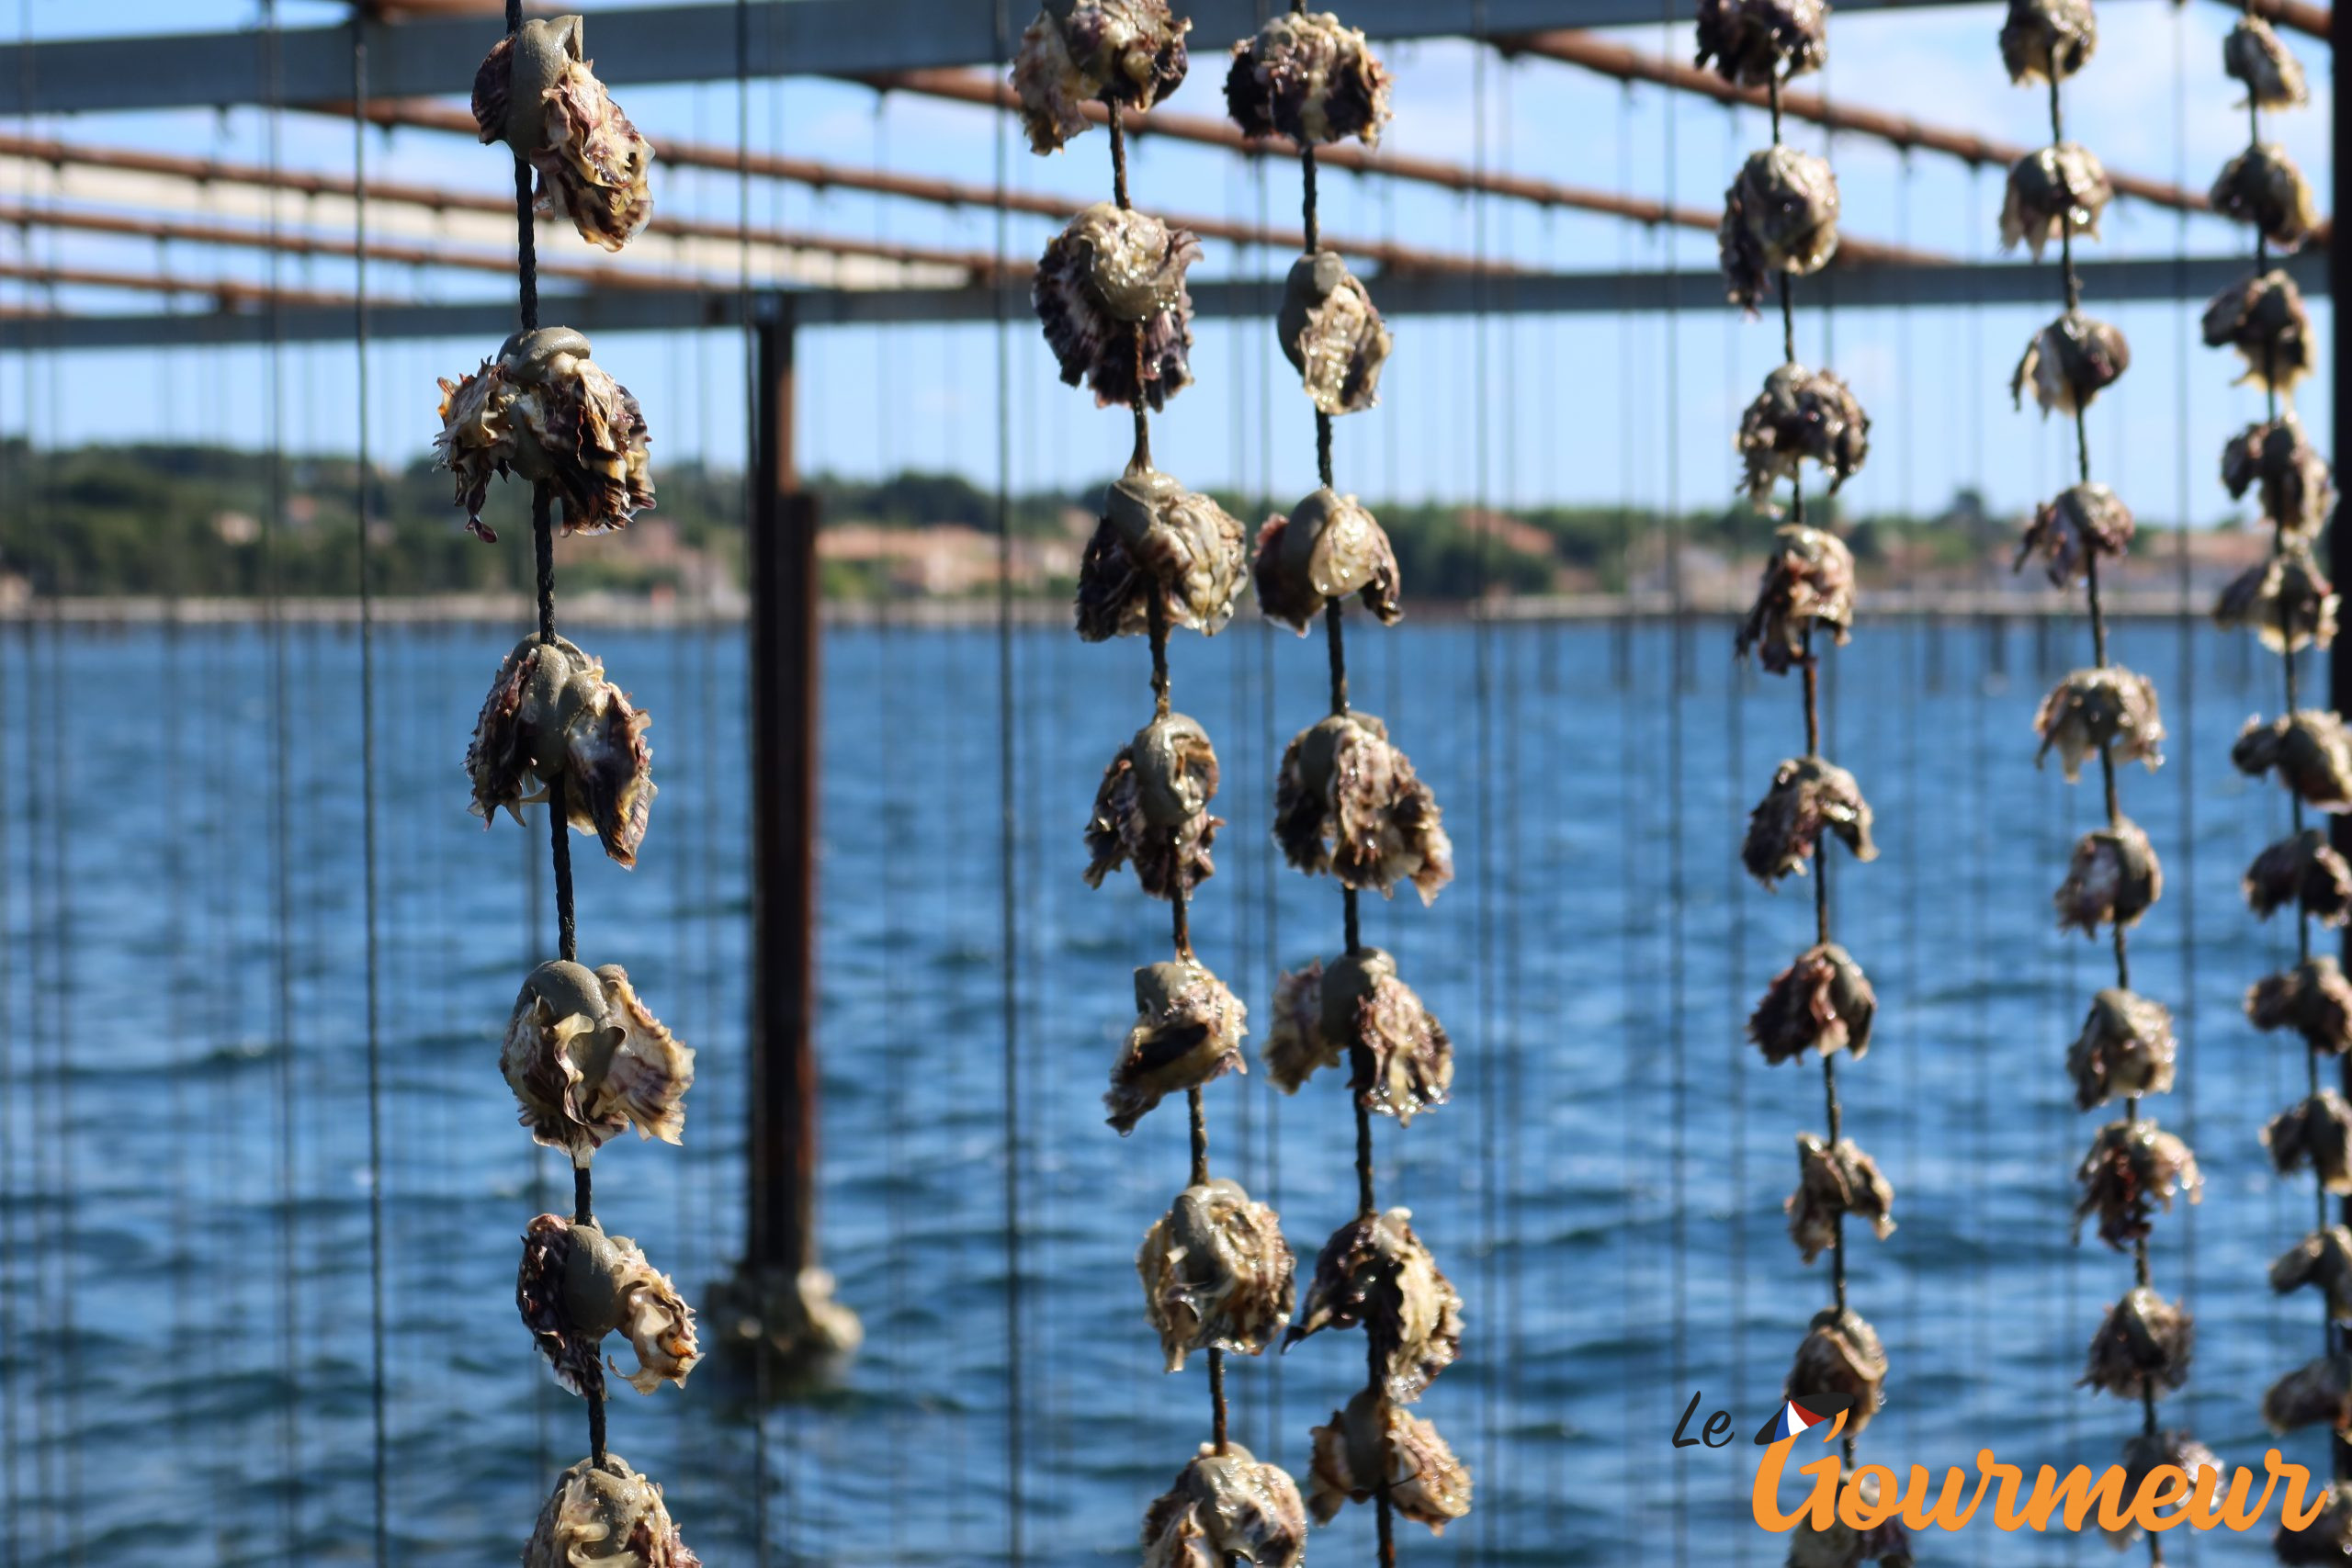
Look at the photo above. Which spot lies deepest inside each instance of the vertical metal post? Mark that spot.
(781, 545)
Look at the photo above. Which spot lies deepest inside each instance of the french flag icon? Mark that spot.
(1794, 1418)
(1805, 1413)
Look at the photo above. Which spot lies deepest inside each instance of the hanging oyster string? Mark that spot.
(585, 1056)
(2289, 606)
(1349, 805)
(1109, 294)
(2126, 1049)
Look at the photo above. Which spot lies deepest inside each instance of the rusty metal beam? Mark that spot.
(228, 294)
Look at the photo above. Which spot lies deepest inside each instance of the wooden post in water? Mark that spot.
(779, 1300)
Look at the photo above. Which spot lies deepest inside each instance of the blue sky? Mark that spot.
(1576, 410)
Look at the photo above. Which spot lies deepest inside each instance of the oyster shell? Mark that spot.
(1833, 1181)
(1822, 1002)
(1329, 546)
(1082, 51)
(2124, 1051)
(1110, 293)
(1375, 1271)
(1808, 794)
(545, 410)
(1780, 215)
(2108, 709)
(2133, 1167)
(2142, 1345)
(1217, 1273)
(1151, 809)
(1156, 536)
(1187, 1033)
(1348, 802)
(1304, 75)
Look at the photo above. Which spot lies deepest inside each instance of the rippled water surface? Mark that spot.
(183, 1262)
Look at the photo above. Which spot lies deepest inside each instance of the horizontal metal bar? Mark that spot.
(489, 322)
(636, 44)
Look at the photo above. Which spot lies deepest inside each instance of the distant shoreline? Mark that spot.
(627, 612)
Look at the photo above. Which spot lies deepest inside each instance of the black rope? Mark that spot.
(378, 1386)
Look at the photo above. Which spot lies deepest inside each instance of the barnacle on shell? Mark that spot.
(2324, 1261)
(1374, 1440)
(2308, 748)
(2263, 319)
(2078, 522)
(1402, 1058)
(2313, 999)
(2133, 1167)
(1375, 1271)
(587, 1060)
(1834, 1181)
(2146, 1452)
(2048, 39)
(2262, 186)
(1332, 335)
(536, 92)
(1808, 794)
(1839, 1545)
(2273, 77)
(1349, 803)
(551, 716)
(2142, 1346)
(2113, 879)
(2326, 1541)
(2069, 363)
(1082, 51)
(1217, 1273)
(2286, 472)
(1822, 1002)
(1801, 414)
(1329, 546)
(2317, 1393)
(2053, 189)
(1157, 538)
(576, 1285)
(544, 410)
(1304, 75)
(2107, 708)
(1152, 809)
(1808, 584)
(1110, 293)
(1840, 1354)
(1753, 41)
(2124, 1051)
(1224, 1508)
(602, 1514)
(1780, 215)
(2302, 868)
(1187, 1033)
(2315, 1134)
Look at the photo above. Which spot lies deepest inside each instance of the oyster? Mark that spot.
(1296, 1043)
(2324, 1261)
(1304, 75)
(2263, 319)
(2262, 186)
(2286, 473)
(1375, 1271)
(2048, 39)
(2069, 363)
(544, 410)
(2316, 1134)
(2304, 869)
(1152, 809)
(2309, 750)
(1754, 41)
(2274, 78)
(1833, 1181)
(2082, 521)
(1332, 335)
(2132, 1167)
(2108, 709)
(1217, 1273)
(2124, 1051)
(2051, 190)
(1801, 414)
(1780, 215)
(1374, 1441)
(607, 1514)
(576, 1285)
(539, 93)
(2313, 999)
(1347, 802)
(586, 1060)
(2318, 1393)
(1402, 1058)
(1083, 51)
(551, 719)
(1327, 548)
(2149, 1451)
(1157, 538)
(1187, 1033)
(2113, 879)
(1840, 1354)
(2327, 1539)
(1822, 1002)
(1110, 293)
(1808, 794)
(1841, 1545)
(2284, 601)
(1808, 583)
(2142, 1345)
